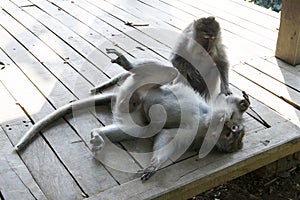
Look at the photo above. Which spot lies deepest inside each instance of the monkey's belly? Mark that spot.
(171, 104)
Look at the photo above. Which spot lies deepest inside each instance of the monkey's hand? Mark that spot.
(226, 91)
(147, 173)
(97, 142)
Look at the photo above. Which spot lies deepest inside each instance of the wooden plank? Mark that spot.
(144, 163)
(158, 30)
(238, 15)
(252, 122)
(8, 112)
(234, 43)
(82, 123)
(287, 75)
(45, 167)
(16, 181)
(274, 120)
(65, 42)
(278, 105)
(119, 176)
(38, 107)
(162, 35)
(294, 70)
(90, 43)
(268, 83)
(270, 22)
(288, 43)
(186, 179)
(226, 25)
(144, 14)
(88, 13)
(256, 8)
(120, 4)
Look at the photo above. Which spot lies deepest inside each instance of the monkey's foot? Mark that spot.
(114, 51)
(148, 172)
(118, 60)
(97, 142)
(98, 89)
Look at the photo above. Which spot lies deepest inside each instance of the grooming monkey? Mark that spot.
(198, 50)
(173, 114)
(198, 55)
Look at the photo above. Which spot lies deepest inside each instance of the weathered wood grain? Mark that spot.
(294, 70)
(254, 16)
(278, 88)
(16, 181)
(288, 43)
(257, 8)
(287, 75)
(186, 179)
(275, 103)
(46, 169)
(38, 107)
(60, 47)
(82, 123)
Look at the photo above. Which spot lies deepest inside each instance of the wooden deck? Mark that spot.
(53, 52)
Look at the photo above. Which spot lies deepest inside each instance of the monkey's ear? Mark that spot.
(243, 105)
(211, 18)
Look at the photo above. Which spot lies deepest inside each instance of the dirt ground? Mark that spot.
(283, 186)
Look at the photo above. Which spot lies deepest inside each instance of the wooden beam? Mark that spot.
(288, 43)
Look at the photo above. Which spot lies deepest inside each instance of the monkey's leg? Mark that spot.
(113, 133)
(120, 60)
(113, 81)
(60, 112)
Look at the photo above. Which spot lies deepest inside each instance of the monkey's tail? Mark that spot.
(60, 112)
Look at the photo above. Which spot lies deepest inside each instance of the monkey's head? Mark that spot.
(206, 31)
(233, 131)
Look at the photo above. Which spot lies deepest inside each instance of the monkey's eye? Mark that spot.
(209, 37)
(234, 128)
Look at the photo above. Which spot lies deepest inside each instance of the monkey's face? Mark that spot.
(231, 137)
(206, 32)
(233, 131)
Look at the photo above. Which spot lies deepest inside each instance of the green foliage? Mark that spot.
(270, 4)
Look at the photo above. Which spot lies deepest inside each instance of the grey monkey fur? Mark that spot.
(188, 115)
(197, 52)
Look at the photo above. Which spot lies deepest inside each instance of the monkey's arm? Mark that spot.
(223, 67)
(191, 74)
(169, 143)
(60, 112)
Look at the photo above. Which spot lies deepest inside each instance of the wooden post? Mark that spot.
(288, 43)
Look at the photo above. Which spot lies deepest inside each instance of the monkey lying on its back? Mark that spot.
(175, 115)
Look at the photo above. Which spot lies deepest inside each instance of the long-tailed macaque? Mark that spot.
(149, 105)
(198, 50)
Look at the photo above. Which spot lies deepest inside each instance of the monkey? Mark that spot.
(172, 113)
(199, 55)
(196, 53)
